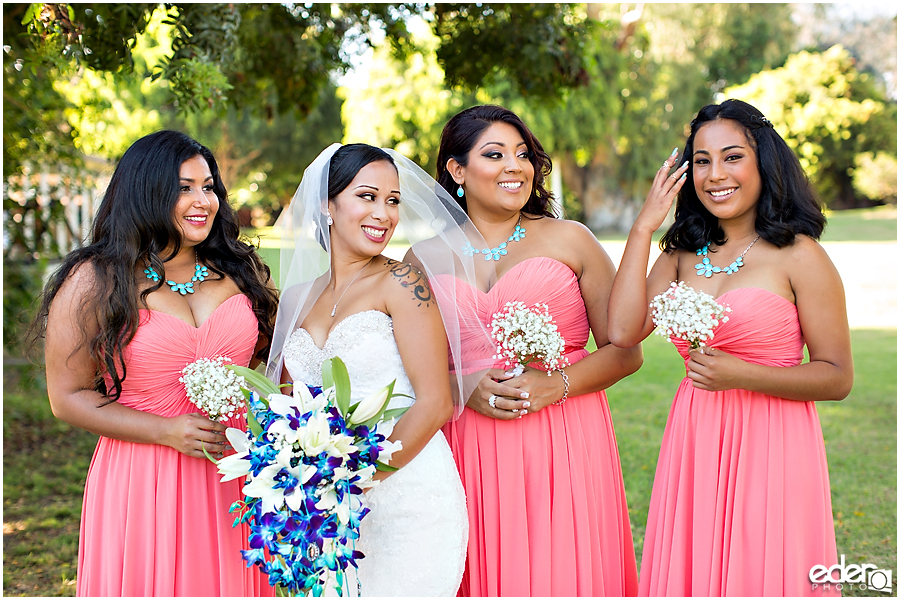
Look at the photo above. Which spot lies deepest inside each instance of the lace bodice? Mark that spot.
(365, 342)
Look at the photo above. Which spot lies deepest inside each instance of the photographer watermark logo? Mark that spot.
(861, 577)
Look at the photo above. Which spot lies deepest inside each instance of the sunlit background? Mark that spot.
(609, 89)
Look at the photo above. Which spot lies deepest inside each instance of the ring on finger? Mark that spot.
(492, 401)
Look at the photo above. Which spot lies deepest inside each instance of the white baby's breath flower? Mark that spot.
(525, 335)
(684, 313)
(213, 388)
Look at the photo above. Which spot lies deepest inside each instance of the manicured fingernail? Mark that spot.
(524, 394)
(683, 175)
(684, 164)
(675, 151)
(526, 404)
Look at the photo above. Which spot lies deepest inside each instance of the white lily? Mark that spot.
(370, 407)
(262, 486)
(238, 438)
(365, 476)
(281, 428)
(386, 428)
(315, 438)
(342, 445)
(329, 501)
(282, 404)
(233, 466)
(386, 450)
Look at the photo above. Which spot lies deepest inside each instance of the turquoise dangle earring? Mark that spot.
(460, 193)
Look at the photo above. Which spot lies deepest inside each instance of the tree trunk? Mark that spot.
(604, 205)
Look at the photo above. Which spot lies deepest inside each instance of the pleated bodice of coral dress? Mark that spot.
(546, 501)
(741, 503)
(154, 521)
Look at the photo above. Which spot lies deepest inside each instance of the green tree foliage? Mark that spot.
(262, 160)
(650, 70)
(538, 47)
(34, 120)
(270, 56)
(829, 113)
(401, 102)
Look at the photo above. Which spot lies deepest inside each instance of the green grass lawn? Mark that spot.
(877, 224)
(45, 462)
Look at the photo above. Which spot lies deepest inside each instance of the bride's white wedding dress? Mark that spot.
(415, 536)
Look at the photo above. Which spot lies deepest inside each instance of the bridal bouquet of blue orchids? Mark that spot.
(307, 459)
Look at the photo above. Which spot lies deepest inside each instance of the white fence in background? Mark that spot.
(48, 211)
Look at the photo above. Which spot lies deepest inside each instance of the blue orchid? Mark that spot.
(306, 469)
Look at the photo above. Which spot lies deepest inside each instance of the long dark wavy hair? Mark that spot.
(459, 137)
(787, 206)
(135, 226)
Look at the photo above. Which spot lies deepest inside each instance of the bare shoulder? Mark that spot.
(80, 283)
(406, 283)
(806, 253)
(565, 227)
(809, 267)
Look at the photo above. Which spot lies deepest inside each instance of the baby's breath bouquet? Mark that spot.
(684, 313)
(214, 388)
(528, 334)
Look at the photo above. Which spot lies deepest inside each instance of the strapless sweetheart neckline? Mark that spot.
(516, 266)
(337, 326)
(207, 320)
(751, 287)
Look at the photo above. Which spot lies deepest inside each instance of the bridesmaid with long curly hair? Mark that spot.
(164, 281)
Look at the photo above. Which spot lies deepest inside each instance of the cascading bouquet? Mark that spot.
(684, 313)
(527, 334)
(307, 459)
(214, 388)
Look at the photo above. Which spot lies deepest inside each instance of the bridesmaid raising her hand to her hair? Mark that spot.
(741, 504)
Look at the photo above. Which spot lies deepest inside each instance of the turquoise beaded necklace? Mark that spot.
(706, 269)
(495, 253)
(200, 273)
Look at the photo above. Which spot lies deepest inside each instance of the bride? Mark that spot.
(343, 298)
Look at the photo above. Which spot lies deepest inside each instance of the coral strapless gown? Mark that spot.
(546, 501)
(154, 521)
(741, 503)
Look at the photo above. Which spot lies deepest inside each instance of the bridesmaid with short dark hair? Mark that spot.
(741, 504)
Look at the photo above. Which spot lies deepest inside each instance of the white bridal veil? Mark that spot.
(430, 220)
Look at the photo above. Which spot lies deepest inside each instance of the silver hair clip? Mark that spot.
(761, 121)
